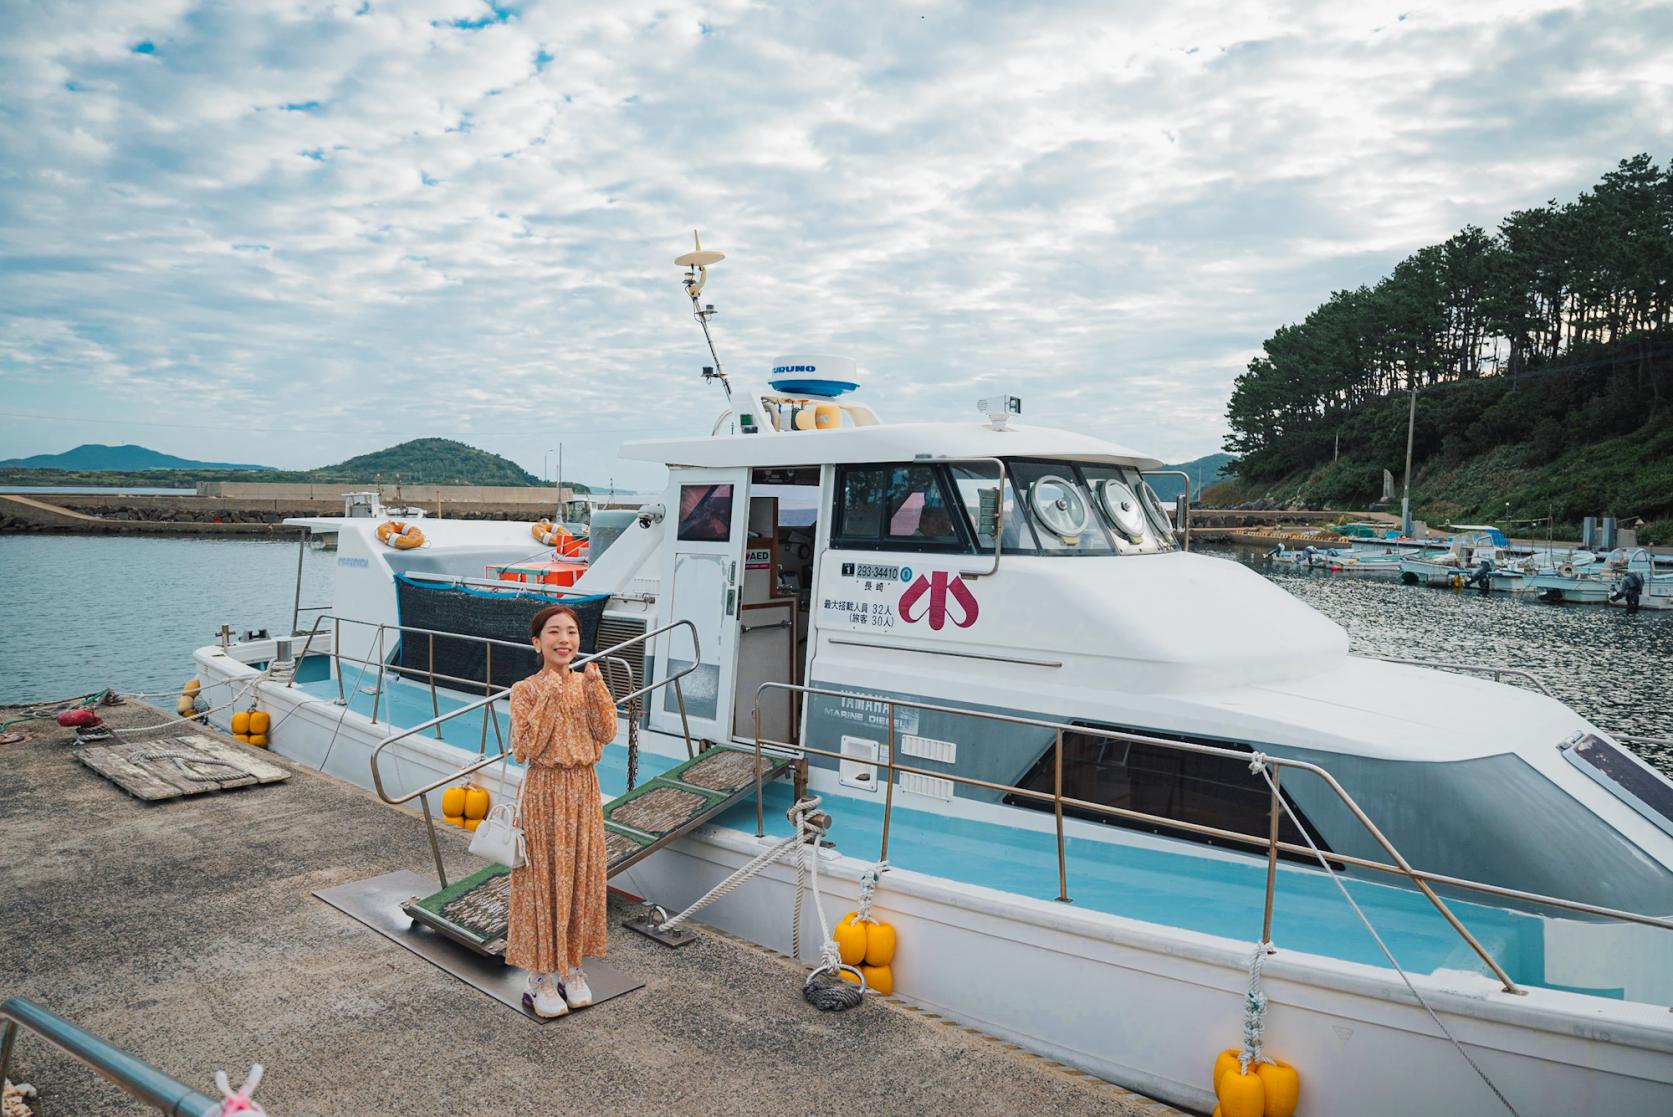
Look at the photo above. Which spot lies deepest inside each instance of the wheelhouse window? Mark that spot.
(1169, 783)
(1136, 522)
(897, 507)
(978, 491)
(1060, 508)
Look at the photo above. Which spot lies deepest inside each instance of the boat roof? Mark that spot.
(884, 442)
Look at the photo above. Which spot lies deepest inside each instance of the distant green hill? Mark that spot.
(1203, 471)
(423, 461)
(127, 458)
(428, 461)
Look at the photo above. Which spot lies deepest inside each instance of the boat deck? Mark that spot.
(1174, 887)
(186, 933)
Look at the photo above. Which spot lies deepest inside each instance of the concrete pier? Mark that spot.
(186, 933)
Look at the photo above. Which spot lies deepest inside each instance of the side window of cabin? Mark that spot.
(896, 507)
(1174, 784)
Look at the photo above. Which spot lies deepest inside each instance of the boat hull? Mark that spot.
(1141, 1004)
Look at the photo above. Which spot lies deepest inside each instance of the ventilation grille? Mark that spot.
(613, 630)
(931, 787)
(928, 748)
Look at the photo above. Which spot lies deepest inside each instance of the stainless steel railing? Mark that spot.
(1271, 843)
(133, 1076)
(1183, 505)
(1496, 673)
(486, 703)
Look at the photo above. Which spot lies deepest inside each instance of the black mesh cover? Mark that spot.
(478, 612)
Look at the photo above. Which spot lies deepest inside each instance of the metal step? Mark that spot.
(474, 911)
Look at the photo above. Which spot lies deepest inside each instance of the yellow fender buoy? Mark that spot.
(880, 943)
(879, 978)
(476, 806)
(1242, 1095)
(1224, 1061)
(851, 940)
(191, 688)
(185, 706)
(241, 724)
(453, 803)
(1283, 1088)
(260, 722)
(401, 536)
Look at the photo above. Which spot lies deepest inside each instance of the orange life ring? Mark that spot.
(556, 536)
(401, 536)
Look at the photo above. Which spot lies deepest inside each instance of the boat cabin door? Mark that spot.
(702, 576)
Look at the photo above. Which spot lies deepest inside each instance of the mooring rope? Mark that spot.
(731, 883)
(1258, 764)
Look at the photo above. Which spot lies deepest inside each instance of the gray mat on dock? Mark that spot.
(377, 904)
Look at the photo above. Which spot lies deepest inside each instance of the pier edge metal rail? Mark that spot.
(135, 1077)
(1401, 867)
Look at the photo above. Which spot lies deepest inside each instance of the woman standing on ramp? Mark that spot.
(560, 723)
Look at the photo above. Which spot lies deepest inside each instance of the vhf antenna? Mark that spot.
(696, 264)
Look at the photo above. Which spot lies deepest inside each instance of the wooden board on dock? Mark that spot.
(162, 767)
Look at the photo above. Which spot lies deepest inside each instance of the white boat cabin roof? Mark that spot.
(884, 442)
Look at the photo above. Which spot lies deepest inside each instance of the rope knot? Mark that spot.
(1257, 763)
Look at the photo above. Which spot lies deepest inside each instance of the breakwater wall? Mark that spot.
(118, 514)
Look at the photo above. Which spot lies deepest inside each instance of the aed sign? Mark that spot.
(758, 558)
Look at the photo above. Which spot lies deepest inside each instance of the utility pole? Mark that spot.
(1406, 492)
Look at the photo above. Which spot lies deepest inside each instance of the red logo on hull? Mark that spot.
(945, 591)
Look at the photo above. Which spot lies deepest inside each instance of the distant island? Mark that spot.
(422, 461)
(128, 458)
(1541, 358)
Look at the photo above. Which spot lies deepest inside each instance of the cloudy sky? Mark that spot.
(289, 233)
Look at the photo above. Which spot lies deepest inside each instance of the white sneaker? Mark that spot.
(575, 989)
(543, 997)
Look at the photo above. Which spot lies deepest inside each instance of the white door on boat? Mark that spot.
(701, 577)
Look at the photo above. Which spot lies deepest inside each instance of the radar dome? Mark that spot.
(814, 374)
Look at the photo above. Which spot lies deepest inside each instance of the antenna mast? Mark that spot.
(696, 264)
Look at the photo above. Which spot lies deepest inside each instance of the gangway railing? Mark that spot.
(486, 703)
(1271, 843)
(133, 1076)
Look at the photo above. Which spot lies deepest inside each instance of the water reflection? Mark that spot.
(1611, 667)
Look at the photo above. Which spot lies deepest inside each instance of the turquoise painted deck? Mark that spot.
(407, 703)
(1178, 889)
(1173, 888)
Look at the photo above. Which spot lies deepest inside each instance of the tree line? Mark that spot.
(1574, 284)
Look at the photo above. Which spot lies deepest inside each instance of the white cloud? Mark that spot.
(362, 223)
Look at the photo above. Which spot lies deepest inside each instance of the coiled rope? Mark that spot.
(1258, 764)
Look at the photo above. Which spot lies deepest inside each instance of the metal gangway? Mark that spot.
(644, 819)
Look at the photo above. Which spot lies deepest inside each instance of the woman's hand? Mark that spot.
(590, 671)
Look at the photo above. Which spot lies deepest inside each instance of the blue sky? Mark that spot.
(294, 232)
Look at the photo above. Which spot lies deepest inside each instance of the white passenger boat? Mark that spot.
(1072, 741)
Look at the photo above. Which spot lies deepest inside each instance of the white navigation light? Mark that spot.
(811, 374)
(999, 408)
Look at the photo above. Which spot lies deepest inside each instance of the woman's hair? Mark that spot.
(547, 614)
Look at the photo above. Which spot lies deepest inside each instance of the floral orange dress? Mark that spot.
(560, 723)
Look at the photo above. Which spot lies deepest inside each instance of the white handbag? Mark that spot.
(499, 837)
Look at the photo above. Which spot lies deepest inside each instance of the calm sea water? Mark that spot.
(82, 612)
(78, 613)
